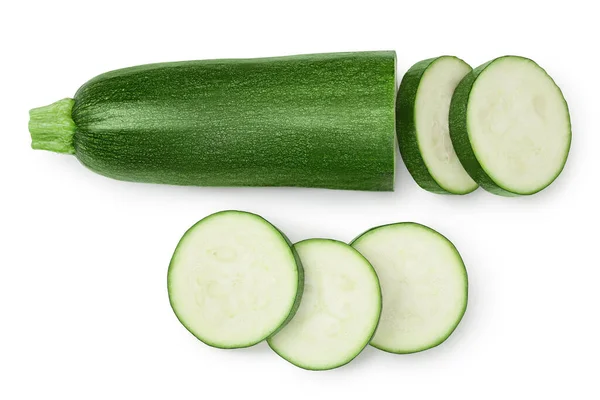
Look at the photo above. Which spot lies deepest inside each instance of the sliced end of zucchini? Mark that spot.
(422, 118)
(424, 285)
(339, 311)
(510, 126)
(52, 127)
(234, 280)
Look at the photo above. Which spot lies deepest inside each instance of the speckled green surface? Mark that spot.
(324, 120)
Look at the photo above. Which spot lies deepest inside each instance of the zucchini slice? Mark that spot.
(510, 126)
(234, 280)
(422, 119)
(423, 282)
(339, 311)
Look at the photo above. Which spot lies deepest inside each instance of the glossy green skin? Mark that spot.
(293, 309)
(459, 134)
(407, 131)
(324, 120)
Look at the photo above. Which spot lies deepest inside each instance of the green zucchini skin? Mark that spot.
(323, 120)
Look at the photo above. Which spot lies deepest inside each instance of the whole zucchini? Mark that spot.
(322, 120)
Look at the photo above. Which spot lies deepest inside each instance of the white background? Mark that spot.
(83, 259)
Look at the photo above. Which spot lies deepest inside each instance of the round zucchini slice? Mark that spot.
(510, 126)
(339, 311)
(423, 282)
(422, 110)
(234, 280)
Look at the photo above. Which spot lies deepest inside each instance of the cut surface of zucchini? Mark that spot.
(510, 126)
(339, 310)
(422, 110)
(234, 280)
(423, 282)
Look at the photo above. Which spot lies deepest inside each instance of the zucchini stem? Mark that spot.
(52, 128)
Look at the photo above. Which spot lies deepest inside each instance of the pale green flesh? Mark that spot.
(423, 282)
(432, 105)
(518, 125)
(233, 280)
(339, 311)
